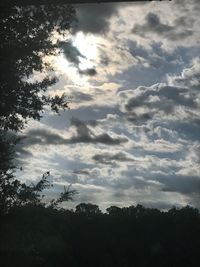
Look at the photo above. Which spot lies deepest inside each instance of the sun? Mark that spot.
(87, 45)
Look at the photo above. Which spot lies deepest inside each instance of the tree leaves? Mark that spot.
(26, 38)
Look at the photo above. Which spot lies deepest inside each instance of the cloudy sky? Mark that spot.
(132, 134)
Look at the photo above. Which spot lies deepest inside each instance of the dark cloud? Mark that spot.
(95, 18)
(184, 21)
(79, 123)
(22, 152)
(121, 185)
(107, 158)
(86, 135)
(102, 138)
(84, 113)
(159, 100)
(139, 119)
(89, 72)
(153, 24)
(42, 137)
(78, 96)
(104, 59)
(168, 182)
(83, 132)
(184, 184)
(71, 53)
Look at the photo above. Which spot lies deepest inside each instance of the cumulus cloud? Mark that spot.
(190, 77)
(178, 103)
(153, 24)
(94, 18)
(84, 134)
(146, 103)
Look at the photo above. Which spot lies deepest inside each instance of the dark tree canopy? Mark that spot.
(88, 209)
(26, 37)
(136, 236)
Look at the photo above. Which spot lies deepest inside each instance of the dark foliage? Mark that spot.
(132, 236)
(26, 38)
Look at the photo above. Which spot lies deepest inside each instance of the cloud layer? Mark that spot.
(132, 133)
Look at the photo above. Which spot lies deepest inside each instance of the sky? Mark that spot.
(132, 134)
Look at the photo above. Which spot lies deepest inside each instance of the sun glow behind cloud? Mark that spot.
(87, 45)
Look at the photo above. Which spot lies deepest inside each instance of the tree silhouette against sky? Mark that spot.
(26, 38)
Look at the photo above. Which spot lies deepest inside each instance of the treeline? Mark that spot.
(135, 236)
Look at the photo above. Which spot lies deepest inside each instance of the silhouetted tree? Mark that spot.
(43, 236)
(7, 168)
(113, 210)
(66, 195)
(27, 36)
(88, 209)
